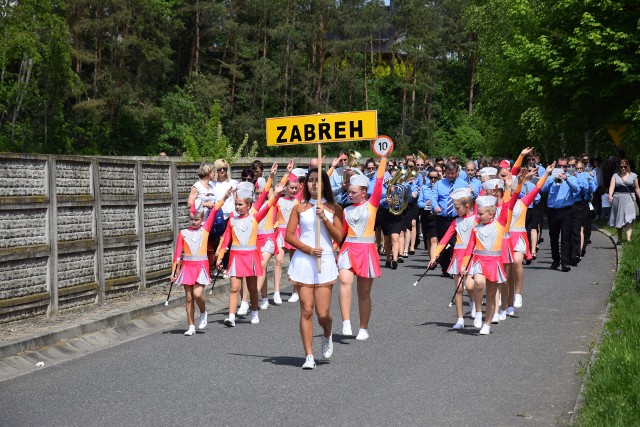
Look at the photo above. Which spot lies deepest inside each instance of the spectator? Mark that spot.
(622, 189)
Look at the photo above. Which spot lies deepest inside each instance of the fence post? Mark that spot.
(141, 230)
(52, 217)
(97, 212)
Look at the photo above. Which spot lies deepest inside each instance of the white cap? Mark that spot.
(492, 184)
(245, 190)
(297, 173)
(359, 180)
(486, 201)
(488, 171)
(459, 193)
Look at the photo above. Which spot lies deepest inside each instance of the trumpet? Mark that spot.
(397, 193)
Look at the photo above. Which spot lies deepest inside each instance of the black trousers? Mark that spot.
(578, 220)
(560, 234)
(442, 225)
(590, 214)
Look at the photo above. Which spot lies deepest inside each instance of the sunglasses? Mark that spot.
(222, 169)
(247, 179)
(370, 168)
(623, 167)
(433, 177)
(563, 166)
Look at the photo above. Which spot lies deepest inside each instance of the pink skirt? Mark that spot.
(245, 263)
(489, 266)
(267, 243)
(194, 272)
(456, 261)
(520, 243)
(361, 258)
(280, 240)
(507, 251)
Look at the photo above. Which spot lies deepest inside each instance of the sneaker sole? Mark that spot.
(228, 323)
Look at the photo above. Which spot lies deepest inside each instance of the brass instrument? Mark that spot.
(422, 155)
(397, 193)
(352, 162)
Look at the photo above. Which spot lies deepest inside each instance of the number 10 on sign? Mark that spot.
(382, 146)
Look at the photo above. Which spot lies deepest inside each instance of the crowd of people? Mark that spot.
(479, 220)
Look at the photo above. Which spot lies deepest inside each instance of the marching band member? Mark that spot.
(194, 271)
(486, 246)
(519, 239)
(292, 196)
(461, 227)
(313, 286)
(244, 256)
(358, 255)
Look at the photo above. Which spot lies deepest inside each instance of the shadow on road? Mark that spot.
(281, 360)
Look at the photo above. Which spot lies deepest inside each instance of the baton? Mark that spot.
(214, 281)
(427, 270)
(456, 291)
(178, 266)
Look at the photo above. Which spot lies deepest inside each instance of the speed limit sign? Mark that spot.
(382, 146)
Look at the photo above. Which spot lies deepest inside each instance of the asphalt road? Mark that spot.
(414, 370)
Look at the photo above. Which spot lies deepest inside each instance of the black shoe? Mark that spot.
(394, 265)
(400, 260)
(565, 268)
(417, 241)
(589, 242)
(447, 275)
(540, 240)
(412, 252)
(555, 265)
(387, 264)
(583, 252)
(527, 262)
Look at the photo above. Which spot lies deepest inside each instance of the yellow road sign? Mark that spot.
(617, 132)
(320, 128)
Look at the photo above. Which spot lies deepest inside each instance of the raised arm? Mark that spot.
(516, 166)
(214, 210)
(377, 187)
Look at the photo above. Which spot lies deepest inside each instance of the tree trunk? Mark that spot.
(472, 80)
(413, 92)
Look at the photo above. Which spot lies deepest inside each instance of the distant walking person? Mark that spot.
(623, 190)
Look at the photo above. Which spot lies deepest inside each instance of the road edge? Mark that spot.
(596, 348)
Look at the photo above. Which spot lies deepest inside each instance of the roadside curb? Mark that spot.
(596, 349)
(113, 320)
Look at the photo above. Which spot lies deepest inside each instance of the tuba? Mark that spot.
(352, 162)
(397, 193)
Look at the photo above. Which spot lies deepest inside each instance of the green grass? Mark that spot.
(612, 393)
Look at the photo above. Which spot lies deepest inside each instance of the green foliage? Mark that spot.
(612, 396)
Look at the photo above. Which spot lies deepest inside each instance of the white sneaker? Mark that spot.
(511, 312)
(485, 330)
(190, 331)
(225, 275)
(264, 303)
(254, 317)
(327, 346)
(473, 308)
(346, 328)
(230, 321)
(309, 363)
(477, 321)
(363, 335)
(517, 301)
(203, 320)
(496, 318)
(276, 298)
(459, 324)
(294, 297)
(502, 315)
(244, 308)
